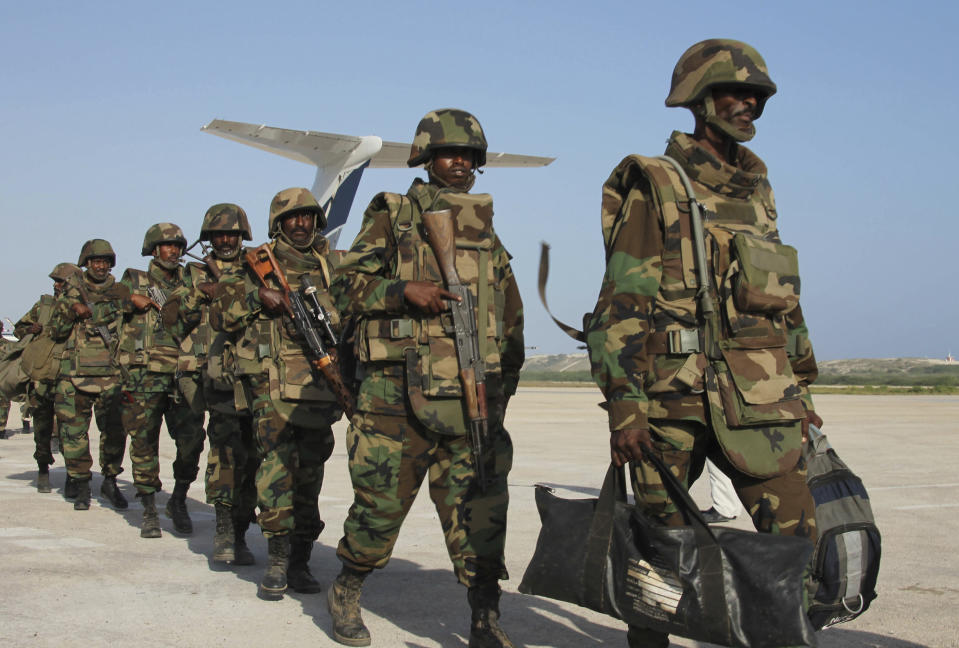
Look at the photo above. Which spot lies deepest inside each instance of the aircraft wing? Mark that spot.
(319, 149)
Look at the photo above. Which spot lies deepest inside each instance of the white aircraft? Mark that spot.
(339, 160)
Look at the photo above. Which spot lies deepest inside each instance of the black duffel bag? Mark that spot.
(724, 586)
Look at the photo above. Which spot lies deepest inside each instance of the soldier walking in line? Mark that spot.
(232, 458)
(697, 340)
(292, 410)
(40, 392)
(410, 422)
(152, 353)
(87, 317)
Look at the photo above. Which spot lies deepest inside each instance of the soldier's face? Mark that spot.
(58, 285)
(98, 268)
(298, 227)
(225, 244)
(736, 105)
(454, 166)
(169, 252)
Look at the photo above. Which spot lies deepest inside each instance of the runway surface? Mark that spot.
(87, 578)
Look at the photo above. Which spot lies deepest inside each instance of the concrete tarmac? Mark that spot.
(87, 579)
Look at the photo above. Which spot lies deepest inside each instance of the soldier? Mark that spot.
(705, 353)
(410, 420)
(88, 316)
(231, 460)
(4, 401)
(292, 411)
(152, 354)
(41, 391)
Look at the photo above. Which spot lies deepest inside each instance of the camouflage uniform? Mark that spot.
(292, 413)
(89, 377)
(232, 459)
(4, 403)
(410, 422)
(40, 394)
(152, 355)
(732, 384)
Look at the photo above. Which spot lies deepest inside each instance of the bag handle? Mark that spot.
(593, 577)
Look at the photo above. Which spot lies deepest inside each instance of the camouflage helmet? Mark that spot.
(290, 201)
(97, 248)
(718, 61)
(225, 217)
(63, 271)
(162, 233)
(447, 127)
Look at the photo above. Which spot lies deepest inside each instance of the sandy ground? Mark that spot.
(87, 579)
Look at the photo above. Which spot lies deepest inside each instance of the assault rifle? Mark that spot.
(439, 231)
(101, 329)
(159, 299)
(312, 321)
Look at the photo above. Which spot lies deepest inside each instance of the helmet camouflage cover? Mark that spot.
(718, 61)
(225, 217)
(290, 201)
(162, 233)
(97, 248)
(444, 128)
(63, 271)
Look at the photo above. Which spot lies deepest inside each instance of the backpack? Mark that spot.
(845, 564)
(13, 380)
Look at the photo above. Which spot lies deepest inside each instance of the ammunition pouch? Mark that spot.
(767, 280)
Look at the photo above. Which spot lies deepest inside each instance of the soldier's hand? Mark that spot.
(428, 296)
(207, 288)
(811, 419)
(142, 302)
(272, 300)
(627, 445)
(35, 328)
(81, 310)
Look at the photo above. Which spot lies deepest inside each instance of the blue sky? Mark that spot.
(102, 104)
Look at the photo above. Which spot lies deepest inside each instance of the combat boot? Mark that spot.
(298, 573)
(343, 603)
(70, 488)
(111, 491)
(224, 536)
(82, 502)
(176, 509)
(485, 631)
(150, 528)
(242, 553)
(273, 584)
(43, 478)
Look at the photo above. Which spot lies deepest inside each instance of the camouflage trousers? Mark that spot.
(780, 505)
(290, 475)
(142, 416)
(232, 459)
(40, 402)
(4, 413)
(73, 409)
(389, 456)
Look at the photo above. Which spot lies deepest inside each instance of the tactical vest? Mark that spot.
(216, 349)
(195, 347)
(145, 343)
(267, 346)
(86, 360)
(739, 353)
(435, 375)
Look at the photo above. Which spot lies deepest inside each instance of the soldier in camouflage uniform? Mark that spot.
(725, 375)
(4, 402)
(231, 460)
(88, 316)
(292, 411)
(410, 420)
(152, 355)
(40, 392)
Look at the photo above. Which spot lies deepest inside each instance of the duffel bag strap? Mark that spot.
(711, 558)
(593, 578)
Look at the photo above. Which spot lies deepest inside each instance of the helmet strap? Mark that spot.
(710, 117)
(434, 179)
(280, 234)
